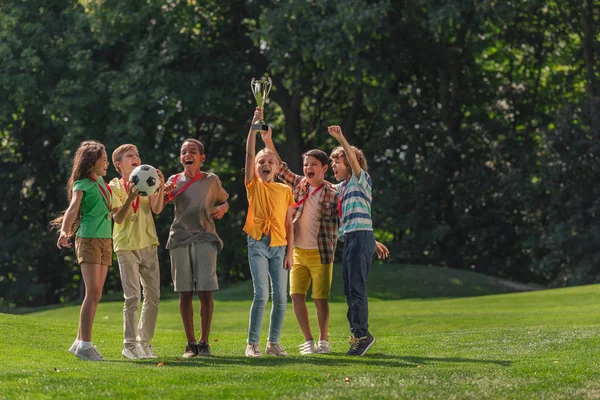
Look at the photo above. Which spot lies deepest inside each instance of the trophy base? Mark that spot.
(260, 127)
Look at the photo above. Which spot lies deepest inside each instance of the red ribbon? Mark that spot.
(296, 205)
(341, 198)
(105, 193)
(136, 203)
(172, 196)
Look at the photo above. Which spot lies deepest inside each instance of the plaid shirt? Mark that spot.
(327, 211)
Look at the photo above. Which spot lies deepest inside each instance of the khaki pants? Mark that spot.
(139, 266)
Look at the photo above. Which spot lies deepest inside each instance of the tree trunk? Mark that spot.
(349, 123)
(588, 55)
(292, 147)
(450, 97)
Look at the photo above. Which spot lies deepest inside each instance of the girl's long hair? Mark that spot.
(85, 157)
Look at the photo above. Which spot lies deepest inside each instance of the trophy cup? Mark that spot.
(260, 88)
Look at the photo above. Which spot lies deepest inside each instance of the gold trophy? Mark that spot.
(260, 88)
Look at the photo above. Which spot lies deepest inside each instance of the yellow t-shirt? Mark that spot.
(267, 208)
(132, 235)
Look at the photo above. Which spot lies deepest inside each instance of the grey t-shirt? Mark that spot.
(192, 222)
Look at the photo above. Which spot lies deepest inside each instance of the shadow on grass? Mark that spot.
(375, 359)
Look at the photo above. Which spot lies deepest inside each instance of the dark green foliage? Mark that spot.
(479, 120)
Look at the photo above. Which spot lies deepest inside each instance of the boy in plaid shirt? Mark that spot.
(316, 224)
(316, 230)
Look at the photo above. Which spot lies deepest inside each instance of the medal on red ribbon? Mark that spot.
(136, 203)
(106, 194)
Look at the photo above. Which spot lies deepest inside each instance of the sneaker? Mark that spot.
(359, 346)
(203, 349)
(308, 347)
(132, 351)
(324, 347)
(191, 350)
(253, 351)
(89, 354)
(73, 348)
(146, 350)
(275, 349)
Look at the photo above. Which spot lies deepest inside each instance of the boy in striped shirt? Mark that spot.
(356, 231)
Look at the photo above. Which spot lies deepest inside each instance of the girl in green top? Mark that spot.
(88, 214)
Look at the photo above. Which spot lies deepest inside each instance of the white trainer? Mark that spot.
(324, 347)
(275, 349)
(132, 351)
(146, 350)
(73, 348)
(308, 347)
(89, 354)
(253, 351)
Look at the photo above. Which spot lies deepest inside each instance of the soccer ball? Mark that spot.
(145, 178)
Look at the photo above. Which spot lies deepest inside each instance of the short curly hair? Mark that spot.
(339, 152)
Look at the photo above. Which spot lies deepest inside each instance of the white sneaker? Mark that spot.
(132, 351)
(253, 351)
(89, 354)
(324, 347)
(146, 350)
(308, 347)
(73, 348)
(275, 349)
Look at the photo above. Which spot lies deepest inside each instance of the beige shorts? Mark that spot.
(194, 267)
(93, 250)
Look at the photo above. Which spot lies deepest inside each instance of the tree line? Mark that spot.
(479, 120)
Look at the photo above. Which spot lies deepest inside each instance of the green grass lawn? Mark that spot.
(440, 334)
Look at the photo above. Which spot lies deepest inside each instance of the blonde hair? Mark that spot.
(264, 152)
(339, 152)
(117, 155)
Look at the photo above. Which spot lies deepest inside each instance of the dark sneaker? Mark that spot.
(359, 346)
(203, 349)
(191, 350)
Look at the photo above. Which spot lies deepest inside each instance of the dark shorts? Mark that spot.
(93, 250)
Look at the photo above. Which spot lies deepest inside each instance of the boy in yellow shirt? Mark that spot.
(135, 243)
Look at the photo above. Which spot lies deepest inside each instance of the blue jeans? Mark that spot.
(359, 247)
(266, 263)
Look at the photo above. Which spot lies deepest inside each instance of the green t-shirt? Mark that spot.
(94, 209)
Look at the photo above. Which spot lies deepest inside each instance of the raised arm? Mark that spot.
(251, 147)
(336, 132)
(267, 137)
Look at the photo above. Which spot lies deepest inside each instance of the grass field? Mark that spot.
(440, 334)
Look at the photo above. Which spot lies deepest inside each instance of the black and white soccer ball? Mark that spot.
(145, 178)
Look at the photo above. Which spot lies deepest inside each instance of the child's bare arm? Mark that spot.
(119, 214)
(219, 211)
(381, 250)
(336, 132)
(288, 261)
(157, 200)
(251, 147)
(68, 220)
(267, 137)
